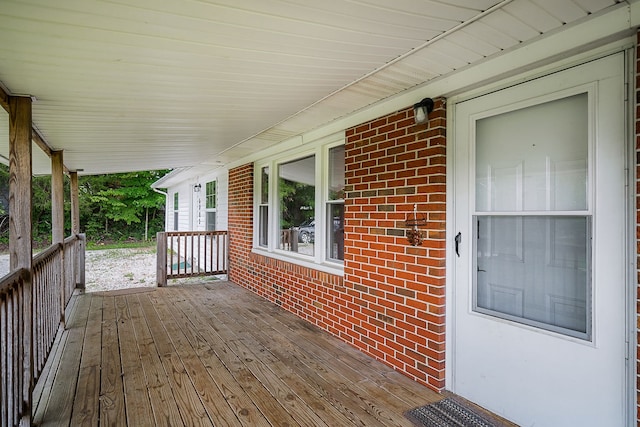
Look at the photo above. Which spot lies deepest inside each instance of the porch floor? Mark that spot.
(212, 354)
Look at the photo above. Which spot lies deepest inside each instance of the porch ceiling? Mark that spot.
(124, 85)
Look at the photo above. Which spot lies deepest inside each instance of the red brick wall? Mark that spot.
(397, 289)
(240, 217)
(390, 303)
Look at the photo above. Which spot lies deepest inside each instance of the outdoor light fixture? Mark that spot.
(196, 188)
(422, 109)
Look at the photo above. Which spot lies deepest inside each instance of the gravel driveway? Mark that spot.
(112, 269)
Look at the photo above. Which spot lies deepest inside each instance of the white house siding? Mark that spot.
(198, 204)
(192, 211)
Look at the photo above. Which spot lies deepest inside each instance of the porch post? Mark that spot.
(161, 259)
(57, 219)
(20, 244)
(75, 203)
(75, 230)
(20, 193)
(57, 197)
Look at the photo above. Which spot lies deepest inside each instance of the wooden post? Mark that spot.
(57, 197)
(80, 259)
(75, 203)
(57, 218)
(20, 243)
(161, 260)
(20, 247)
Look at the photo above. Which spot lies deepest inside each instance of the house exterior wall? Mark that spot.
(390, 301)
(199, 202)
(184, 207)
(222, 206)
(192, 210)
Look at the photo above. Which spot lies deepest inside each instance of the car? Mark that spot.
(307, 231)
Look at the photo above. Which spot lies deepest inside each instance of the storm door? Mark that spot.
(538, 308)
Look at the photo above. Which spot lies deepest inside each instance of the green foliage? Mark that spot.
(298, 202)
(94, 246)
(115, 207)
(118, 206)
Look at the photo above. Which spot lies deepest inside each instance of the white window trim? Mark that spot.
(206, 209)
(176, 211)
(319, 261)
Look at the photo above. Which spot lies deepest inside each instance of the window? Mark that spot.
(299, 205)
(533, 225)
(297, 193)
(263, 209)
(335, 205)
(176, 209)
(210, 205)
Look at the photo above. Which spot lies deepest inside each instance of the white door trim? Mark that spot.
(632, 271)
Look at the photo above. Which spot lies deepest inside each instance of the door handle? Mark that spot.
(458, 239)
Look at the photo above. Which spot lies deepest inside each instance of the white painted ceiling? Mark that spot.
(124, 85)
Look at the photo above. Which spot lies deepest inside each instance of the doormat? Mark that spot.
(448, 413)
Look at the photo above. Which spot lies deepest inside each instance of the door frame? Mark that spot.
(631, 272)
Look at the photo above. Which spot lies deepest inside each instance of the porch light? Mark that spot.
(422, 109)
(197, 188)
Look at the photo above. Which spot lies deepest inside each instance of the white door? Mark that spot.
(539, 283)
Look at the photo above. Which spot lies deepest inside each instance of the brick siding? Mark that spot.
(391, 301)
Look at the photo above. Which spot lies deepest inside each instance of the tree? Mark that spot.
(119, 199)
(298, 202)
(112, 206)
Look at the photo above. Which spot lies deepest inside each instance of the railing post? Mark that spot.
(63, 287)
(75, 202)
(28, 370)
(227, 257)
(161, 260)
(20, 234)
(80, 259)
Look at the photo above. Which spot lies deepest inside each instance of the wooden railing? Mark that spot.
(15, 367)
(56, 271)
(32, 309)
(191, 253)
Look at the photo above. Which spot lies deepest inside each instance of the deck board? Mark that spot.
(112, 410)
(252, 386)
(238, 399)
(164, 407)
(136, 398)
(59, 407)
(210, 396)
(316, 358)
(86, 407)
(261, 365)
(213, 354)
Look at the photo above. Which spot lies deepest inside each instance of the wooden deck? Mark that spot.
(211, 354)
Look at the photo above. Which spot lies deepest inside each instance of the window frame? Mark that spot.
(320, 259)
(585, 211)
(263, 209)
(275, 237)
(207, 209)
(176, 211)
(328, 204)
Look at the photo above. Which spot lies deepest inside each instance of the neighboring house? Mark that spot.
(521, 296)
(197, 204)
